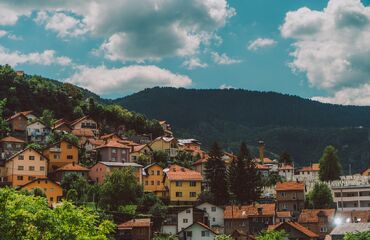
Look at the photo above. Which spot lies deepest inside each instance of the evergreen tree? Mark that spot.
(330, 167)
(215, 171)
(320, 197)
(253, 183)
(4, 127)
(285, 158)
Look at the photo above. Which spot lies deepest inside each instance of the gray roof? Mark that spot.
(352, 186)
(121, 164)
(344, 228)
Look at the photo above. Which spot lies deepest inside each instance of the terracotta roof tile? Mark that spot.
(245, 211)
(178, 173)
(265, 160)
(312, 215)
(201, 161)
(313, 168)
(296, 226)
(73, 167)
(284, 214)
(286, 167)
(113, 144)
(361, 216)
(11, 139)
(289, 186)
(83, 132)
(262, 167)
(144, 222)
(78, 120)
(16, 115)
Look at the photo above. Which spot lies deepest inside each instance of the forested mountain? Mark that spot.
(286, 123)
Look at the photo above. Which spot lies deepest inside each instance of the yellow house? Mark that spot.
(24, 167)
(52, 190)
(153, 176)
(140, 150)
(183, 185)
(166, 144)
(366, 172)
(61, 154)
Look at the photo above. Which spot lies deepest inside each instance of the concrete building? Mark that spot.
(348, 198)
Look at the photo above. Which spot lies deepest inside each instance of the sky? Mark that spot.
(311, 48)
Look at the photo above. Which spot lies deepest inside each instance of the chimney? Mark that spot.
(259, 210)
(261, 150)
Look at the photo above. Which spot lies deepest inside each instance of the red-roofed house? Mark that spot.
(100, 170)
(311, 171)
(9, 146)
(295, 231)
(18, 125)
(319, 221)
(70, 168)
(197, 231)
(290, 197)
(135, 229)
(85, 122)
(113, 151)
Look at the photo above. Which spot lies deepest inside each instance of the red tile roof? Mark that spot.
(86, 132)
(313, 168)
(16, 115)
(289, 186)
(284, 214)
(178, 173)
(78, 120)
(11, 139)
(262, 167)
(113, 144)
(245, 211)
(312, 215)
(296, 226)
(201, 161)
(96, 142)
(73, 167)
(139, 147)
(286, 167)
(135, 223)
(265, 160)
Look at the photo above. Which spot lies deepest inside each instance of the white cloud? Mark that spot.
(194, 63)
(106, 81)
(10, 15)
(48, 57)
(223, 59)
(3, 33)
(332, 46)
(61, 23)
(225, 86)
(14, 37)
(261, 43)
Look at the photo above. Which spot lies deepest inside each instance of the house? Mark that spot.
(18, 125)
(290, 196)
(70, 168)
(135, 229)
(61, 126)
(319, 221)
(61, 154)
(166, 128)
(353, 216)
(189, 216)
(183, 185)
(294, 230)
(140, 150)
(166, 144)
(251, 219)
(286, 171)
(84, 134)
(10, 146)
(85, 122)
(310, 172)
(240, 235)
(366, 172)
(153, 177)
(263, 170)
(197, 231)
(100, 170)
(110, 137)
(37, 131)
(52, 190)
(23, 167)
(284, 216)
(90, 145)
(214, 216)
(113, 151)
(340, 230)
(29, 115)
(348, 198)
(200, 165)
(192, 146)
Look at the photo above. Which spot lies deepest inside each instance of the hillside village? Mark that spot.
(40, 154)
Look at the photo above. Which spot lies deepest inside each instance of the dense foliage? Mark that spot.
(330, 168)
(272, 235)
(51, 99)
(358, 236)
(286, 123)
(320, 197)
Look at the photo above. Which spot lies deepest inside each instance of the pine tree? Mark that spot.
(285, 158)
(330, 167)
(253, 183)
(215, 172)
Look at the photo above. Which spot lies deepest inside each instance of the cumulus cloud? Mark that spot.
(134, 30)
(332, 47)
(48, 57)
(61, 23)
(194, 63)
(116, 81)
(260, 43)
(3, 33)
(223, 59)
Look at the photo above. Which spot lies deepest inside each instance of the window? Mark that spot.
(158, 172)
(152, 172)
(178, 184)
(8, 145)
(19, 178)
(30, 178)
(193, 194)
(20, 157)
(192, 183)
(113, 159)
(146, 183)
(185, 220)
(323, 229)
(69, 146)
(213, 219)
(20, 168)
(18, 146)
(189, 233)
(41, 158)
(283, 194)
(114, 150)
(152, 182)
(188, 211)
(213, 209)
(31, 157)
(56, 156)
(51, 199)
(123, 151)
(31, 168)
(42, 168)
(178, 194)
(158, 183)
(205, 233)
(69, 157)
(294, 195)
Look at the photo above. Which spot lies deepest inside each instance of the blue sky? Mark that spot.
(315, 49)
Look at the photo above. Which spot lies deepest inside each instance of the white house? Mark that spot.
(188, 216)
(214, 214)
(286, 171)
(37, 131)
(197, 231)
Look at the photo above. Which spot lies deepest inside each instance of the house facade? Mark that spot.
(85, 122)
(135, 229)
(140, 150)
(18, 126)
(61, 154)
(10, 146)
(113, 151)
(166, 144)
(52, 190)
(153, 177)
(37, 131)
(70, 168)
(295, 231)
(100, 170)
(349, 198)
(290, 196)
(319, 221)
(214, 215)
(197, 231)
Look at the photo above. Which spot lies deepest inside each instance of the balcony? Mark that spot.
(173, 152)
(55, 149)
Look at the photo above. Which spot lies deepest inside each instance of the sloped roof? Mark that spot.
(83, 132)
(246, 211)
(96, 142)
(262, 167)
(312, 215)
(120, 164)
(73, 167)
(178, 173)
(201, 161)
(11, 139)
(135, 223)
(265, 160)
(286, 167)
(289, 186)
(344, 228)
(19, 114)
(106, 136)
(78, 120)
(140, 147)
(166, 139)
(23, 150)
(113, 144)
(315, 167)
(296, 226)
(200, 224)
(41, 179)
(284, 214)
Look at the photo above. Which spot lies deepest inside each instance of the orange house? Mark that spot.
(52, 190)
(61, 154)
(99, 171)
(24, 167)
(153, 180)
